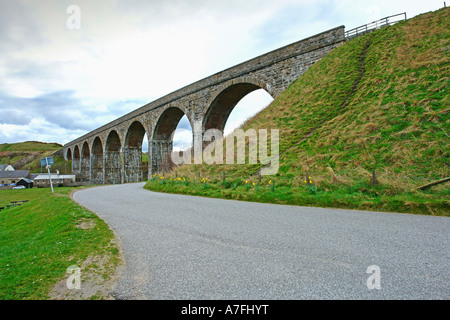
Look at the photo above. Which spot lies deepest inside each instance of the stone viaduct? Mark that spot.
(112, 154)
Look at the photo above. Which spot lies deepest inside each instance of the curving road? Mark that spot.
(184, 247)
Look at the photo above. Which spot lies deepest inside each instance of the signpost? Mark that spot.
(47, 162)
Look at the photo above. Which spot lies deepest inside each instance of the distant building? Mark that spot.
(8, 178)
(43, 181)
(6, 167)
(33, 176)
(27, 183)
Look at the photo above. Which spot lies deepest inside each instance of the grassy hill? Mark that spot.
(379, 102)
(29, 146)
(27, 155)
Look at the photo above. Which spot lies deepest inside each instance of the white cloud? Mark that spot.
(101, 108)
(37, 130)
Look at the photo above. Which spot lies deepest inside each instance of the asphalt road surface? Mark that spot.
(184, 247)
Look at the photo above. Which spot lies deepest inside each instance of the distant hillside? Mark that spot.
(30, 146)
(379, 102)
(27, 155)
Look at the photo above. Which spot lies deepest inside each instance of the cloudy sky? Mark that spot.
(61, 77)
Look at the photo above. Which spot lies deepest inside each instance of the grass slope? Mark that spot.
(379, 102)
(29, 146)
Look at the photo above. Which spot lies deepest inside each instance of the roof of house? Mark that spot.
(3, 167)
(55, 176)
(26, 180)
(14, 174)
(32, 176)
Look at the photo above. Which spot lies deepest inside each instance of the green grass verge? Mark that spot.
(42, 238)
(290, 191)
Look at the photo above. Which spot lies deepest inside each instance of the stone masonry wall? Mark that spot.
(273, 71)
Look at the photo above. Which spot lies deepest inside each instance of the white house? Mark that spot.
(6, 167)
(42, 180)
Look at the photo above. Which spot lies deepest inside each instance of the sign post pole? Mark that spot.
(49, 175)
(48, 166)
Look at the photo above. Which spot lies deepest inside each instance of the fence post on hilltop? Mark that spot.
(333, 176)
(374, 178)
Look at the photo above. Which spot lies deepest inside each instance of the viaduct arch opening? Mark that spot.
(247, 107)
(161, 144)
(132, 153)
(76, 160)
(69, 154)
(223, 104)
(97, 162)
(234, 105)
(113, 159)
(183, 135)
(85, 162)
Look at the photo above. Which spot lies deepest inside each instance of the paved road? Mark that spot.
(183, 247)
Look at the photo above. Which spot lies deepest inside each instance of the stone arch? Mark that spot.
(132, 152)
(85, 162)
(226, 98)
(69, 154)
(97, 146)
(85, 150)
(113, 142)
(161, 144)
(112, 158)
(76, 160)
(135, 135)
(97, 161)
(76, 152)
(167, 123)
